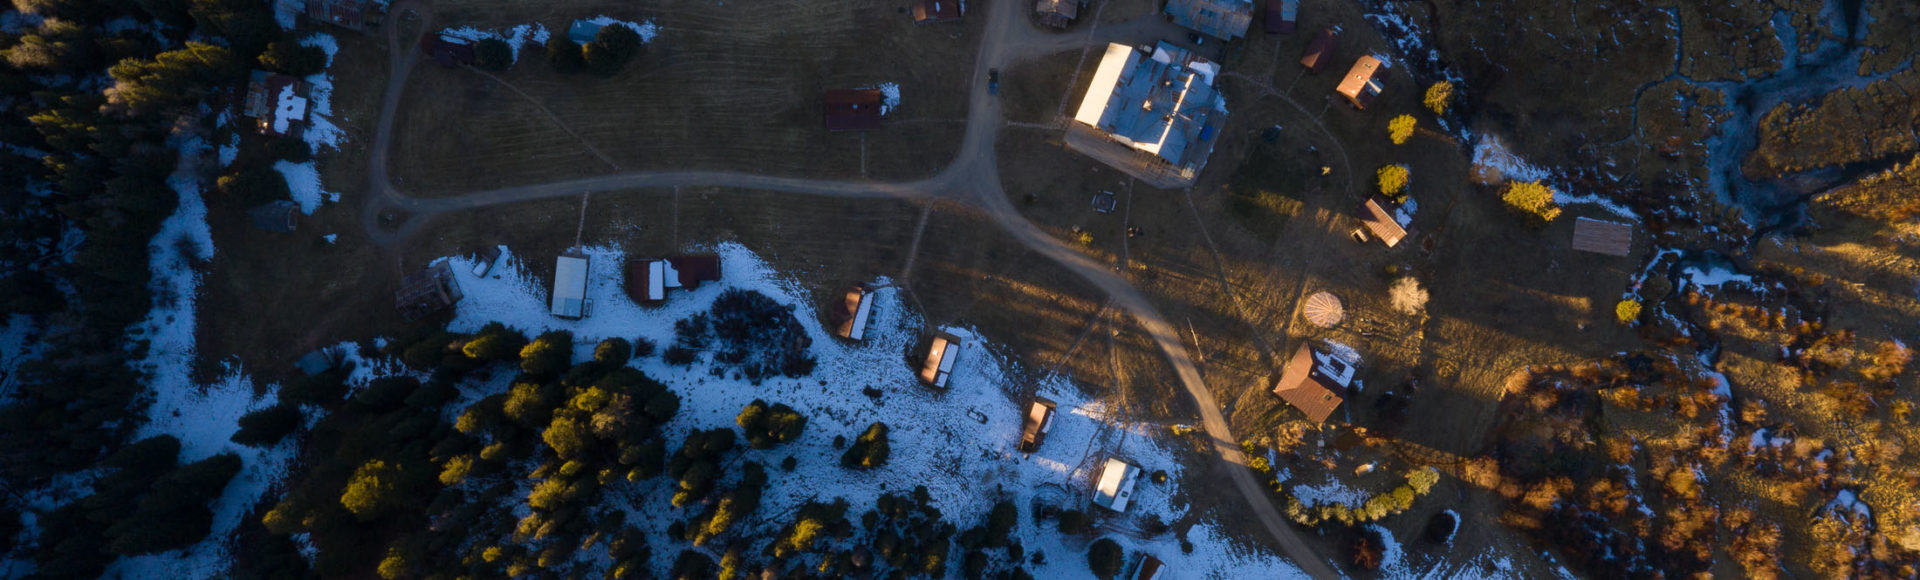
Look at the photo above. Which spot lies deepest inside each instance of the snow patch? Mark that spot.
(321, 132)
(1491, 154)
(517, 37)
(647, 30)
(203, 418)
(952, 441)
(303, 181)
(891, 92)
(1714, 276)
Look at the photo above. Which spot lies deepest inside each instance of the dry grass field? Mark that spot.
(733, 86)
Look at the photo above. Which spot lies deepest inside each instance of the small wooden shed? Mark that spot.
(1319, 51)
(1115, 487)
(1381, 223)
(1602, 237)
(1036, 424)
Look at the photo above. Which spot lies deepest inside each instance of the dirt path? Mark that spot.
(973, 177)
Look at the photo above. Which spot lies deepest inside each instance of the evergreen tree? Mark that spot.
(268, 426)
(612, 47)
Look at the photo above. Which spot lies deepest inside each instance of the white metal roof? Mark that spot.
(570, 287)
(1118, 61)
(860, 316)
(1116, 485)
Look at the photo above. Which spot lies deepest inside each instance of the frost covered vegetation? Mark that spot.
(97, 102)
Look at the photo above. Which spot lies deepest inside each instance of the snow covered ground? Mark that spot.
(321, 132)
(516, 38)
(203, 417)
(303, 181)
(960, 442)
(892, 100)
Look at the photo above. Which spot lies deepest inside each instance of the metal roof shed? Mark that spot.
(1602, 237)
(1039, 420)
(850, 315)
(1116, 485)
(570, 286)
(940, 360)
(1362, 84)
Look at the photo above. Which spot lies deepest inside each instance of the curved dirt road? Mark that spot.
(973, 178)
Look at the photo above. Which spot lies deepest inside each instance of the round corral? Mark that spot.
(1324, 310)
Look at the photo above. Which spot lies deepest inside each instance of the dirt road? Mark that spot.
(973, 178)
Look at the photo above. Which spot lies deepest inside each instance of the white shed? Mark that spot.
(1116, 485)
(570, 286)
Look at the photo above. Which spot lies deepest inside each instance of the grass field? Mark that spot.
(723, 86)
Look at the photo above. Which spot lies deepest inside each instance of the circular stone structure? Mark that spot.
(1324, 310)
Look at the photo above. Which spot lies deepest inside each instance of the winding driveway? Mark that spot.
(973, 178)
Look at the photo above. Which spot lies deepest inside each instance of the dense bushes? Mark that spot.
(492, 54)
(547, 355)
(292, 58)
(1419, 483)
(868, 451)
(612, 47)
(143, 503)
(268, 426)
(1105, 557)
(746, 331)
(769, 426)
(1531, 200)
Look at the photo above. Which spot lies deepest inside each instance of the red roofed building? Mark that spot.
(1319, 51)
(854, 109)
(1315, 382)
(277, 101)
(357, 15)
(648, 280)
(931, 11)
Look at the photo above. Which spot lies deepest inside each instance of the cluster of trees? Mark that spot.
(386, 474)
(145, 503)
(1400, 499)
(98, 160)
(1532, 201)
(869, 450)
(610, 50)
(769, 426)
(747, 332)
(92, 96)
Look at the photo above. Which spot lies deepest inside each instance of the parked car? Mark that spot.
(993, 81)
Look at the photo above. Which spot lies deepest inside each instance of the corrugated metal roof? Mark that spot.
(570, 286)
(854, 109)
(1319, 51)
(1116, 485)
(1164, 104)
(1602, 237)
(1227, 19)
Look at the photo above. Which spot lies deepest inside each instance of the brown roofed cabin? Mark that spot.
(1319, 51)
(1362, 84)
(1315, 382)
(854, 109)
(427, 291)
(849, 314)
(357, 15)
(1034, 427)
(1381, 223)
(649, 279)
(931, 11)
(1602, 237)
(1056, 13)
(940, 360)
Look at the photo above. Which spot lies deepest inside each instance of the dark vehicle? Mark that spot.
(1196, 39)
(993, 81)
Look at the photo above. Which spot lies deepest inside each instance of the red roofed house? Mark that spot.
(1362, 84)
(1315, 382)
(648, 280)
(1319, 51)
(930, 11)
(854, 109)
(357, 15)
(278, 101)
